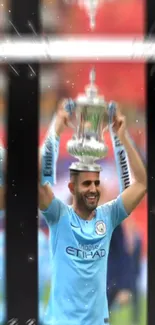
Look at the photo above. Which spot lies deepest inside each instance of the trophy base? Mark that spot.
(83, 167)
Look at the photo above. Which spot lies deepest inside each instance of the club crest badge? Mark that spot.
(100, 228)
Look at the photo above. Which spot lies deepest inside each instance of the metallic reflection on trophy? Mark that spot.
(90, 120)
(91, 7)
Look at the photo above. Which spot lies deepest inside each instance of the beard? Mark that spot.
(87, 201)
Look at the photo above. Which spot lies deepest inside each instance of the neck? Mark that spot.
(83, 213)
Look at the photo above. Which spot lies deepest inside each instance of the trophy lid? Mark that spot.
(90, 97)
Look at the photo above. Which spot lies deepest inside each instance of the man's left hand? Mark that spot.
(119, 125)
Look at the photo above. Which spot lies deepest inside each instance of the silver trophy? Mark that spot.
(91, 7)
(91, 118)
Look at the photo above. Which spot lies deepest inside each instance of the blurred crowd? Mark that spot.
(113, 17)
(60, 17)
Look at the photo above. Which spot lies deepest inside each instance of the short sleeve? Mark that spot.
(55, 210)
(116, 212)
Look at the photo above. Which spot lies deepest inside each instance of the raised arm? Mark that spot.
(132, 196)
(46, 195)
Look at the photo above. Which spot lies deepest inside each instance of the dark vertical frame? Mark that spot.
(22, 174)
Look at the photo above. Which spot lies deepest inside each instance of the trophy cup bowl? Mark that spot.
(91, 119)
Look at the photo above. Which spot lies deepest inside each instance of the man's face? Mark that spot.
(87, 190)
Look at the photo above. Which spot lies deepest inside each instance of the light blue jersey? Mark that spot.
(44, 270)
(79, 267)
(2, 277)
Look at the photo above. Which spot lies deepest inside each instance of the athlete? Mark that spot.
(80, 238)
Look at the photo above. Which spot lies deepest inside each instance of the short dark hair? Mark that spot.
(74, 174)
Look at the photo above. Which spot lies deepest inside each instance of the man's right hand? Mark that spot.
(62, 118)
